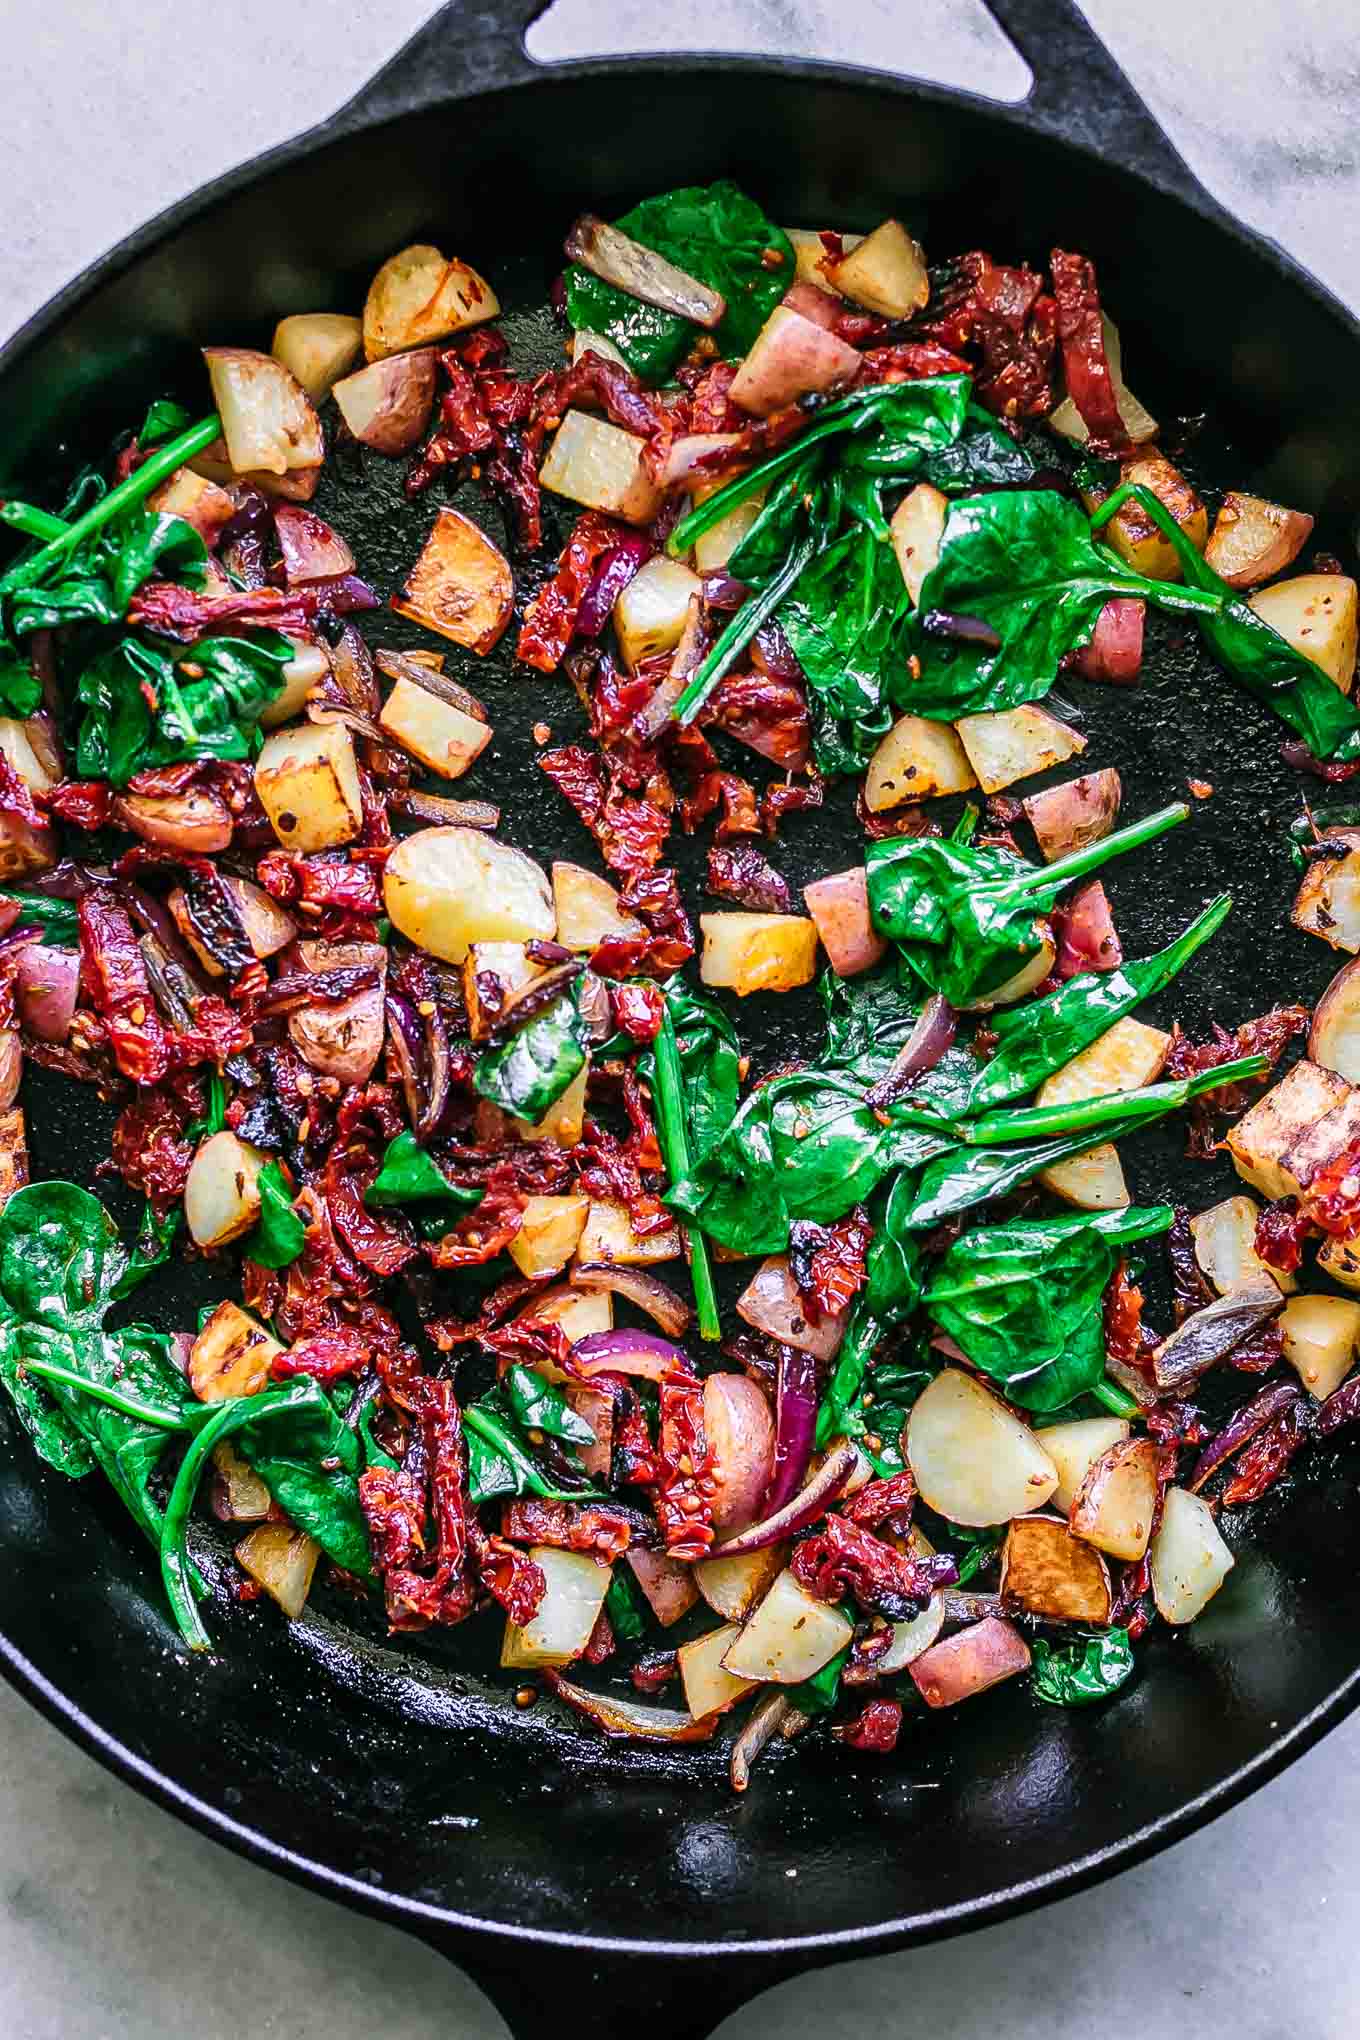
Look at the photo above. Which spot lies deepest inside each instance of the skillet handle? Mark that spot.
(466, 46)
(1080, 95)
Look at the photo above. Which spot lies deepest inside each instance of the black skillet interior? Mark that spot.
(402, 1778)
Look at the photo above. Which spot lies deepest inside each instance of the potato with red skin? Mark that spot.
(312, 549)
(344, 1040)
(1114, 650)
(740, 1433)
(792, 357)
(267, 418)
(969, 1662)
(387, 405)
(667, 1583)
(839, 905)
(195, 822)
(773, 1303)
(1114, 1506)
(1075, 814)
(1253, 539)
(1334, 1037)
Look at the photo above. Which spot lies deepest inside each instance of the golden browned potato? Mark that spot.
(1225, 1246)
(708, 1688)
(1340, 1259)
(563, 1121)
(1327, 903)
(790, 1635)
(1190, 1560)
(549, 1231)
(588, 909)
(1076, 814)
(461, 586)
(1316, 614)
(1138, 421)
(609, 1236)
(1007, 744)
(1132, 532)
(418, 297)
(809, 252)
(1321, 1338)
(885, 272)
(267, 419)
(975, 1462)
(1334, 1037)
(1074, 1449)
(917, 528)
(283, 1560)
(317, 348)
(222, 1190)
(600, 466)
(567, 1614)
(1253, 539)
(1263, 1137)
(1047, 1571)
(1127, 1056)
(231, 1356)
(308, 783)
(306, 669)
(446, 888)
(748, 953)
(649, 616)
(198, 501)
(1113, 1508)
(917, 759)
(732, 1586)
(1325, 1141)
(508, 963)
(433, 730)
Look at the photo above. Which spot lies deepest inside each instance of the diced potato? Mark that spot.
(509, 964)
(1074, 1449)
(1334, 1037)
(1114, 1506)
(1094, 1181)
(1047, 1571)
(222, 1190)
(13, 1153)
(792, 357)
(461, 586)
(440, 735)
(667, 1583)
(1262, 1139)
(549, 1230)
(748, 953)
(295, 485)
(587, 906)
(600, 466)
(917, 758)
(418, 297)
(568, 1612)
(1028, 976)
(732, 1586)
(343, 1040)
(1225, 1246)
(739, 1427)
(580, 1312)
(1253, 539)
(1340, 1259)
(1076, 814)
(306, 669)
(1327, 903)
(247, 1499)
(1014, 743)
(595, 343)
(564, 1119)
(17, 748)
(198, 501)
(790, 1636)
(308, 783)
(387, 405)
(1316, 614)
(839, 904)
(283, 1560)
(1127, 1056)
(1321, 1337)
(969, 1662)
(609, 1236)
(1138, 422)
(715, 548)
(917, 528)
(1132, 533)
(1190, 1560)
(885, 272)
(708, 1687)
(317, 348)
(267, 421)
(913, 1637)
(809, 252)
(231, 1356)
(649, 616)
(446, 888)
(1322, 1143)
(973, 1461)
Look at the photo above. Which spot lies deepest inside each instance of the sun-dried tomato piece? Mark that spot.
(884, 1504)
(1086, 370)
(842, 1560)
(728, 791)
(788, 797)
(909, 361)
(1281, 1230)
(176, 612)
(150, 1152)
(767, 714)
(1004, 320)
(84, 803)
(630, 832)
(511, 1577)
(488, 1228)
(550, 619)
(603, 1530)
(1269, 1454)
(684, 1491)
(112, 966)
(326, 1356)
(637, 1010)
(827, 1262)
(1127, 1339)
(875, 1728)
(742, 874)
(442, 1588)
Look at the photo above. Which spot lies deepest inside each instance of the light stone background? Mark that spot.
(116, 1923)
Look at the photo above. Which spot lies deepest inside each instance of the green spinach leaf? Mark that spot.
(528, 1073)
(409, 1175)
(502, 1462)
(280, 1235)
(1076, 1674)
(58, 920)
(208, 701)
(539, 1405)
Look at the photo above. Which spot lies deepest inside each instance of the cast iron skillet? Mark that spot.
(576, 1879)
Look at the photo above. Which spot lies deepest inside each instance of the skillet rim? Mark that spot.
(434, 1923)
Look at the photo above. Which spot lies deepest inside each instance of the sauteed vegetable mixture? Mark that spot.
(473, 1142)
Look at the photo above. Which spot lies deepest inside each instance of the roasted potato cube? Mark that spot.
(1340, 1259)
(447, 888)
(317, 348)
(1321, 1336)
(1253, 539)
(283, 1561)
(1114, 1506)
(649, 616)
(1327, 903)
(667, 1583)
(1132, 532)
(1316, 614)
(440, 735)
(222, 1190)
(748, 953)
(708, 1687)
(549, 1230)
(609, 1236)
(809, 253)
(715, 547)
(885, 272)
(231, 1356)
(1094, 1181)
(268, 422)
(198, 501)
(387, 405)
(790, 1636)
(588, 909)
(461, 586)
(917, 528)
(13, 1153)
(839, 904)
(973, 1460)
(1124, 1058)
(1190, 1560)
(1047, 1571)
(1324, 1141)
(306, 669)
(1014, 743)
(564, 1119)
(1263, 1137)
(1334, 1037)
(732, 1586)
(567, 1614)
(508, 963)
(970, 1661)
(1225, 1246)
(1076, 814)
(1074, 1449)
(600, 466)
(308, 783)
(418, 297)
(917, 758)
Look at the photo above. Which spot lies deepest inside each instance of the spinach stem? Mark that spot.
(740, 631)
(1078, 862)
(1114, 1399)
(670, 1126)
(837, 417)
(134, 490)
(35, 523)
(142, 1413)
(1039, 1122)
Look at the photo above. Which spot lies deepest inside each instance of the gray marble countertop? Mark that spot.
(116, 1923)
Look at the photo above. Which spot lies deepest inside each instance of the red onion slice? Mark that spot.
(929, 1039)
(1242, 1427)
(829, 1481)
(619, 1717)
(637, 1287)
(629, 1352)
(795, 1425)
(611, 577)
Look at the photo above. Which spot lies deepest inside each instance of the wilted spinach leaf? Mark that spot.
(1075, 1674)
(528, 1073)
(409, 1175)
(279, 1236)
